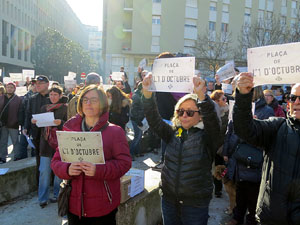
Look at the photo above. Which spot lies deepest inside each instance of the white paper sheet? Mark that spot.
(117, 76)
(227, 71)
(44, 119)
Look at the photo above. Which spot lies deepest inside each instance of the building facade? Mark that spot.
(137, 29)
(21, 21)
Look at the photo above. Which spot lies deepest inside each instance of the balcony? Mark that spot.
(128, 6)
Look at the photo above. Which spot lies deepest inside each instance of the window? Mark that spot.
(226, 1)
(212, 26)
(213, 6)
(225, 8)
(13, 41)
(224, 27)
(4, 38)
(283, 3)
(156, 1)
(260, 15)
(262, 4)
(155, 40)
(248, 3)
(191, 3)
(156, 20)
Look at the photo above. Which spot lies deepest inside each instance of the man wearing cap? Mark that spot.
(91, 78)
(9, 109)
(279, 195)
(34, 105)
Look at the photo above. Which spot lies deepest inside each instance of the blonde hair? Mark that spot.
(270, 92)
(175, 119)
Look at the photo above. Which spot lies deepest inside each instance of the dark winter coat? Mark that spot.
(277, 108)
(89, 196)
(13, 108)
(186, 174)
(137, 108)
(122, 118)
(279, 196)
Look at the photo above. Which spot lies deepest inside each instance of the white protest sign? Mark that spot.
(6, 80)
(70, 83)
(16, 76)
(275, 64)
(143, 63)
(21, 91)
(80, 146)
(231, 105)
(117, 76)
(28, 73)
(137, 181)
(173, 74)
(227, 71)
(67, 78)
(227, 88)
(0, 72)
(72, 74)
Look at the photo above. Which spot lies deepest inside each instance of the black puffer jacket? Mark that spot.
(279, 196)
(186, 175)
(122, 118)
(137, 108)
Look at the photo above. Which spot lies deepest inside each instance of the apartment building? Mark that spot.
(21, 21)
(137, 29)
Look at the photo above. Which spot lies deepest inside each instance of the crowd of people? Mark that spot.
(259, 153)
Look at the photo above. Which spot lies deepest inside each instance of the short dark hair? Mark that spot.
(56, 89)
(102, 98)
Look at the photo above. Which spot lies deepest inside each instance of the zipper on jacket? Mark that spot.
(109, 195)
(178, 170)
(82, 193)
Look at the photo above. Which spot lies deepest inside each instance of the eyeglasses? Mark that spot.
(91, 100)
(293, 98)
(223, 99)
(189, 113)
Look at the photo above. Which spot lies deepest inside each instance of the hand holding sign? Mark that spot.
(75, 169)
(146, 85)
(199, 85)
(245, 83)
(88, 168)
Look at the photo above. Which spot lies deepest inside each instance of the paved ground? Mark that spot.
(27, 210)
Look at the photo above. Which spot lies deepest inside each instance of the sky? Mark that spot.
(88, 11)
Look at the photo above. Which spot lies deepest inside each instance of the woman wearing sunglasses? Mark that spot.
(191, 145)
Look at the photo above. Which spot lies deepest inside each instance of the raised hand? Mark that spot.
(199, 87)
(245, 83)
(146, 85)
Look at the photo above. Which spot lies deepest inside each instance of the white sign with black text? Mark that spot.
(173, 75)
(28, 73)
(275, 64)
(227, 71)
(16, 76)
(117, 76)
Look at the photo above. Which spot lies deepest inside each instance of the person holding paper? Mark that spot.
(95, 193)
(192, 142)
(48, 145)
(279, 194)
(10, 105)
(119, 105)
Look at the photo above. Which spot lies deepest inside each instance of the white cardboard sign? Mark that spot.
(173, 75)
(72, 74)
(227, 71)
(6, 80)
(275, 64)
(28, 73)
(70, 83)
(67, 78)
(80, 146)
(143, 63)
(21, 91)
(16, 76)
(117, 76)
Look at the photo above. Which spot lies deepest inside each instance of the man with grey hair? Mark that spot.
(91, 78)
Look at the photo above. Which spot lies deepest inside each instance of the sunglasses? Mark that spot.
(189, 113)
(293, 98)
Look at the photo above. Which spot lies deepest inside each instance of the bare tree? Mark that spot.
(212, 49)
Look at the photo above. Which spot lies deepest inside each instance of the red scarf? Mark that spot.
(51, 108)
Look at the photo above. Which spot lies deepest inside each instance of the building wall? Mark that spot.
(25, 20)
(134, 29)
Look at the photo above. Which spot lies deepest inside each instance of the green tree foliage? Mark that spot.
(54, 56)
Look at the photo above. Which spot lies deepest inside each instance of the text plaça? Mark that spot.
(171, 65)
(78, 139)
(276, 54)
(80, 151)
(171, 79)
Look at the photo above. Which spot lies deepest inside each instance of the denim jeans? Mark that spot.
(44, 181)
(183, 215)
(14, 135)
(134, 146)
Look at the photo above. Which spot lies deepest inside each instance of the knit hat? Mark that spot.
(11, 83)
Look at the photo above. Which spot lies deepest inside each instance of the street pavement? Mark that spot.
(26, 210)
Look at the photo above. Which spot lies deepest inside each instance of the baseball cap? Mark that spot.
(42, 78)
(92, 78)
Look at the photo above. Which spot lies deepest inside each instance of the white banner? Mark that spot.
(70, 83)
(80, 146)
(227, 71)
(21, 91)
(117, 76)
(0, 72)
(173, 74)
(72, 74)
(28, 73)
(275, 64)
(16, 76)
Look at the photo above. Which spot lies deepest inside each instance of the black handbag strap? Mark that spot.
(6, 105)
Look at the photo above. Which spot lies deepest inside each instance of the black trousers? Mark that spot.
(218, 183)
(246, 198)
(109, 219)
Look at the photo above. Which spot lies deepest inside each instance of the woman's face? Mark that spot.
(54, 97)
(186, 121)
(91, 104)
(222, 101)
